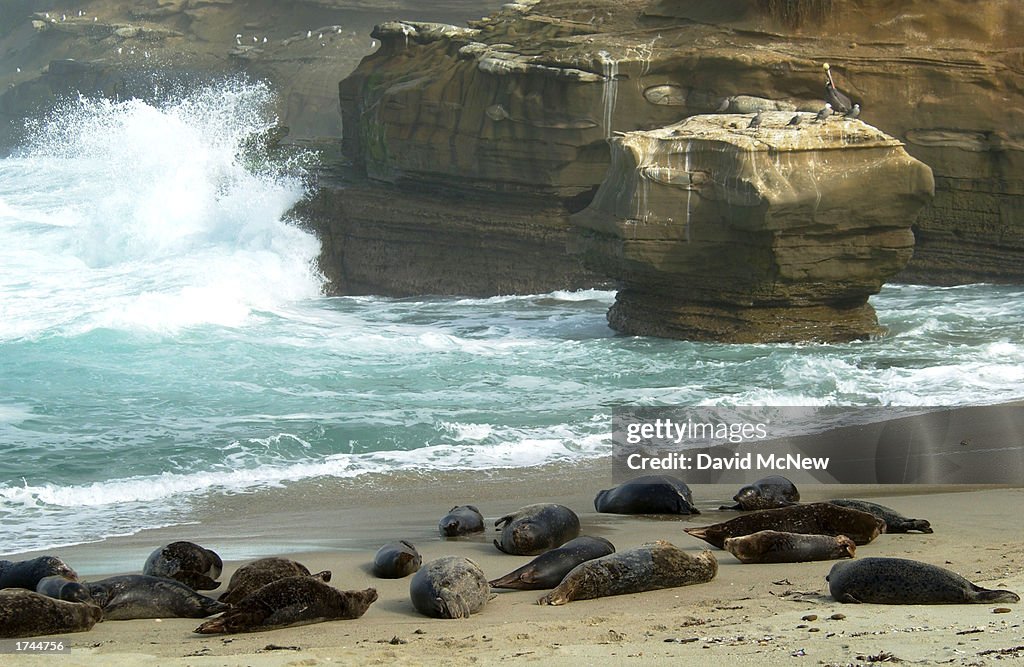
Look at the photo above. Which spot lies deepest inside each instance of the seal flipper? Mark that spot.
(920, 524)
(988, 596)
(196, 581)
(734, 507)
(501, 548)
(452, 605)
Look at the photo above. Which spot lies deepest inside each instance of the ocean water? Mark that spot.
(164, 340)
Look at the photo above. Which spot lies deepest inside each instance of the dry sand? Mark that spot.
(749, 615)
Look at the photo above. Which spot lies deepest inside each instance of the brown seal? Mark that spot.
(255, 575)
(133, 596)
(811, 519)
(765, 494)
(26, 613)
(534, 529)
(771, 546)
(903, 581)
(63, 588)
(894, 521)
(650, 494)
(449, 587)
(647, 568)
(28, 573)
(290, 601)
(186, 562)
(549, 568)
(395, 560)
(461, 520)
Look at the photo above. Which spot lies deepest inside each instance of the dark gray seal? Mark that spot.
(810, 519)
(461, 520)
(26, 613)
(647, 568)
(27, 573)
(650, 494)
(395, 560)
(255, 575)
(141, 596)
(894, 521)
(449, 587)
(772, 546)
(549, 568)
(534, 529)
(186, 562)
(765, 494)
(902, 581)
(288, 602)
(62, 588)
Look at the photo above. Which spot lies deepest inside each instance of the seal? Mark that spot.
(461, 520)
(650, 494)
(894, 521)
(765, 494)
(251, 577)
(449, 587)
(395, 560)
(771, 546)
(62, 588)
(27, 573)
(186, 562)
(646, 568)
(810, 519)
(903, 581)
(290, 601)
(549, 568)
(534, 529)
(133, 596)
(29, 614)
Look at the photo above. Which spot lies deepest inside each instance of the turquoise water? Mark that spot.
(163, 340)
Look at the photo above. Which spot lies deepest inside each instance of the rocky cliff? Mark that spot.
(526, 99)
(773, 233)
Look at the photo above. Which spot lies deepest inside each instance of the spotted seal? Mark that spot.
(25, 613)
(772, 546)
(290, 601)
(902, 581)
(811, 519)
(395, 560)
(765, 494)
(133, 596)
(534, 529)
(461, 520)
(549, 568)
(186, 562)
(894, 521)
(62, 588)
(646, 568)
(27, 573)
(650, 494)
(449, 587)
(252, 576)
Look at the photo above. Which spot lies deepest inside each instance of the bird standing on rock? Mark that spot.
(794, 121)
(840, 102)
(823, 115)
(853, 113)
(756, 120)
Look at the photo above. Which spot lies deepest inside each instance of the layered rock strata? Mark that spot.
(775, 233)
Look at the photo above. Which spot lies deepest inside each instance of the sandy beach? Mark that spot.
(749, 614)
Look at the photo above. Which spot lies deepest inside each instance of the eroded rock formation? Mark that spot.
(774, 233)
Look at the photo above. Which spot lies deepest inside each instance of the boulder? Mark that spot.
(775, 233)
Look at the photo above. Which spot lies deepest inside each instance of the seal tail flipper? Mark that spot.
(733, 507)
(196, 581)
(921, 525)
(324, 576)
(500, 548)
(232, 621)
(453, 605)
(986, 596)
(514, 580)
(505, 519)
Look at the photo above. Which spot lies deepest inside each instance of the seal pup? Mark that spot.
(647, 568)
(27, 573)
(186, 562)
(395, 560)
(894, 521)
(290, 601)
(903, 581)
(649, 494)
(251, 577)
(810, 519)
(62, 588)
(771, 546)
(461, 520)
(449, 587)
(26, 613)
(549, 568)
(765, 494)
(534, 529)
(134, 596)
